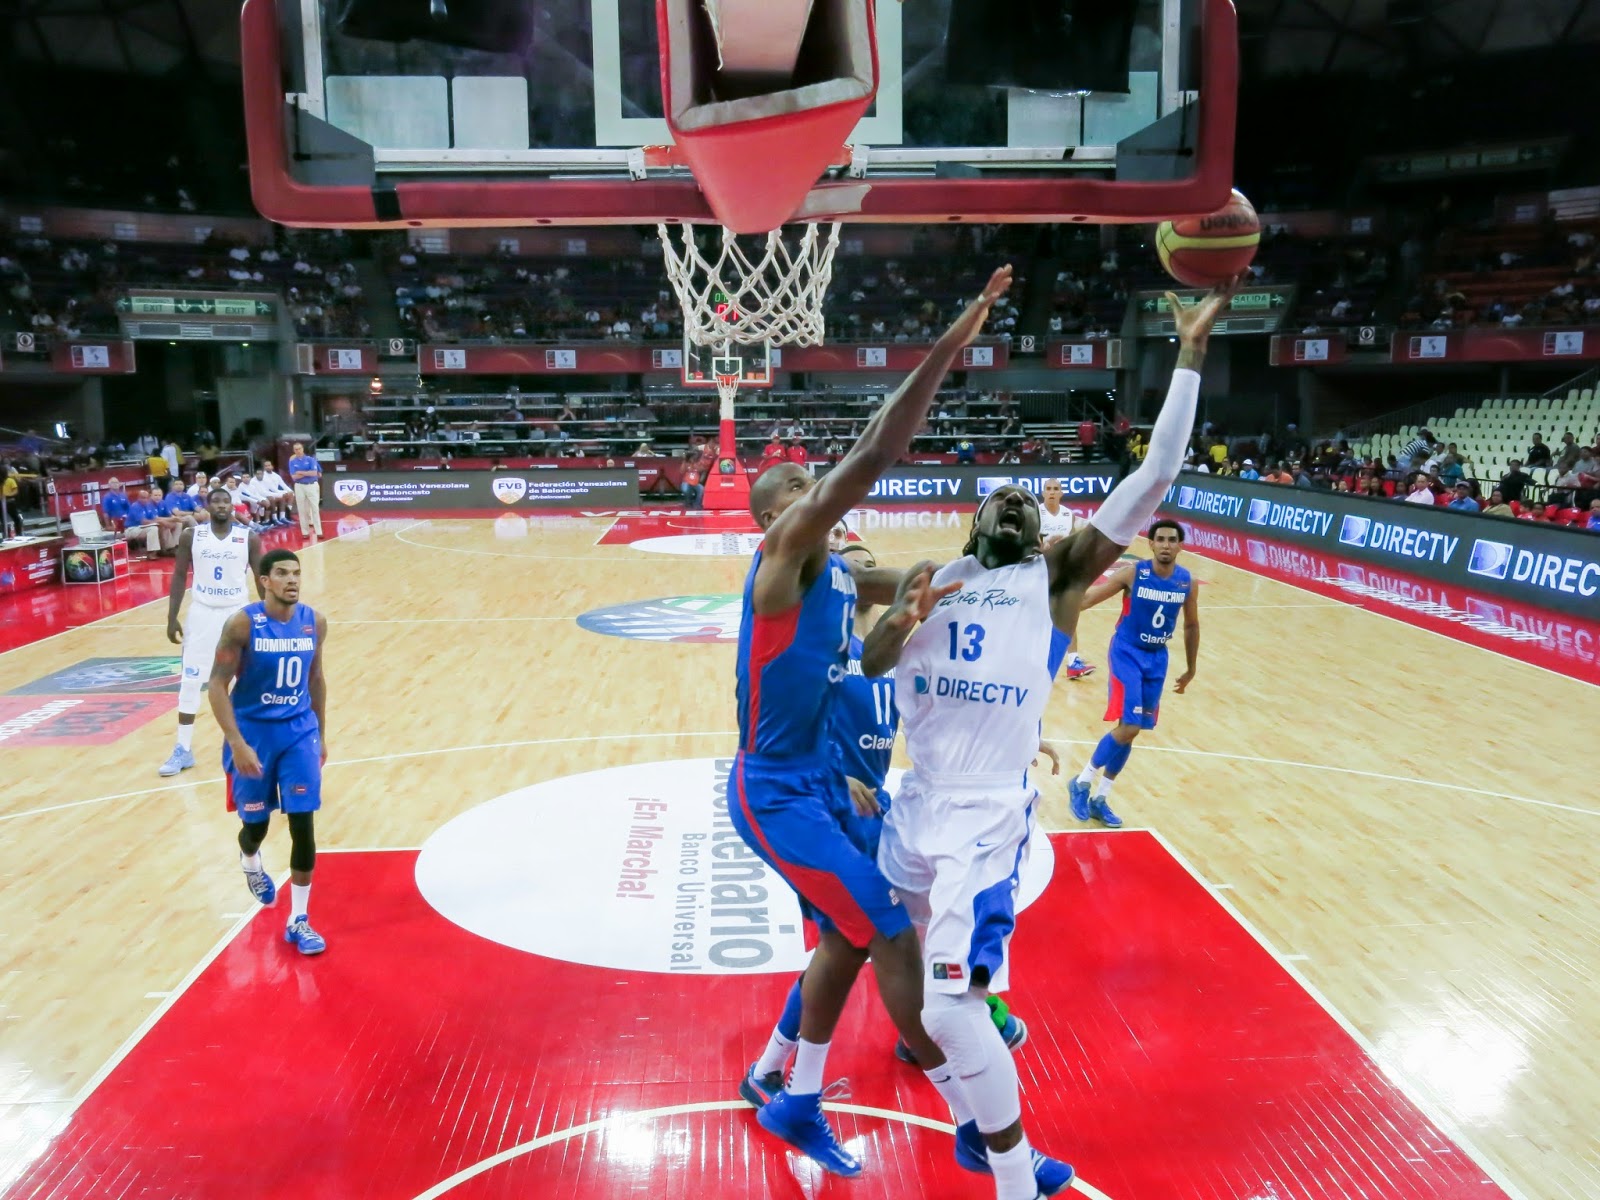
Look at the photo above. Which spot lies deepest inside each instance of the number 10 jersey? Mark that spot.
(976, 675)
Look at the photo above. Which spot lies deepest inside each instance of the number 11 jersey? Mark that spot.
(975, 676)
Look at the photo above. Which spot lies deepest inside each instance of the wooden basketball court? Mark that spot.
(1403, 818)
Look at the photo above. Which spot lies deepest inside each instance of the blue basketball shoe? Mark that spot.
(1078, 797)
(798, 1120)
(1050, 1175)
(299, 933)
(758, 1089)
(1100, 810)
(261, 885)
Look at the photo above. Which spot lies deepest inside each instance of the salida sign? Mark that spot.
(1539, 564)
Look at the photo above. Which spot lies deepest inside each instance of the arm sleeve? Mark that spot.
(1133, 502)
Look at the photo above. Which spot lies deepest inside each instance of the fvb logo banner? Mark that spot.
(350, 492)
(508, 489)
(634, 868)
(711, 618)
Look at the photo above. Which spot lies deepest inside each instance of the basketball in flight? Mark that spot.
(1205, 251)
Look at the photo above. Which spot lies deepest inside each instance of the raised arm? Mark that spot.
(230, 651)
(1080, 557)
(877, 585)
(805, 524)
(180, 584)
(1119, 580)
(881, 649)
(1191, 638)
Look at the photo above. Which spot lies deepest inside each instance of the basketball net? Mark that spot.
(733, 296)
(769, 295)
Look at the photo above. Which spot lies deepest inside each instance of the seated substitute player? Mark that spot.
(1153, 593)
(281, 493)
(273, 722)
(979, 640)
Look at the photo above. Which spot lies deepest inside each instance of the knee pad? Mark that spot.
(251, 835)
(957, 1024)
(189, 693)
(302, 842)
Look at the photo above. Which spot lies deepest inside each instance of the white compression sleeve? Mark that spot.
(1127, 511)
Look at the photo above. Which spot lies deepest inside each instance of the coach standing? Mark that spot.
(306, 474)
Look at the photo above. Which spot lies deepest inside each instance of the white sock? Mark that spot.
(185, 737)
(948, 1085)
(1073, 660)
(809, 1059)
(775, 1057)
(1013, 1172)
(1104, 788)
(250, 862)
(301, 893)
(1086, 776)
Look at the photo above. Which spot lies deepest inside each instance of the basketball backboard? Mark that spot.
(566, 126)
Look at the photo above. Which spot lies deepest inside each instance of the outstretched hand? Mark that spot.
(918, 596)
(1194, 324)
(970, 323)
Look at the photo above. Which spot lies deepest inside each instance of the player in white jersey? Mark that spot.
(224, 556)
(973, 672)
(1055, 523)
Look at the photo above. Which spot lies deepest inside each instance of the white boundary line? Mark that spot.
(1306, 766)
(1409, 1090)
(483, 1166)
(1351, 606)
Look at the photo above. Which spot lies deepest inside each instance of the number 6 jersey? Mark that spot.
(976, 675)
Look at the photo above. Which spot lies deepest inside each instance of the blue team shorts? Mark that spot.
(1136, 680)
(291, 769)
(791, 813)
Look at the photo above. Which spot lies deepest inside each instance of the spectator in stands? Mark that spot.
(1569, 454)
(1279, 474)
(796, 452)
(1419, 446)
(1195, 463)
(965, 451)
(1593, 521)
(1248, 470)
(772, 454)
(1462, 500)
(169, 451)
(1420, 491)
(156, 467)
(1372, 485)
(1515, 481)
(646, 450)
(1538, 452)
(114, 503)
(1497, 506)
(200, 486)
(694, 492)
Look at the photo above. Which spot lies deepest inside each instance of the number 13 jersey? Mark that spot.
(976, 675)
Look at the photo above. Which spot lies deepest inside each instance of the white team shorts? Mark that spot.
(954, 850)
(202, 630)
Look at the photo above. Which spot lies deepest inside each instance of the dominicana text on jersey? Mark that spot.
(1150, 607)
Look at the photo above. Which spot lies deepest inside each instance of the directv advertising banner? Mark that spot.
(1539, 564)
(968, 485)
(439, 491)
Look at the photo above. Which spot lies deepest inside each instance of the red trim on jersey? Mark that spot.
(770, 636)
(821, 888)
(1114, 698)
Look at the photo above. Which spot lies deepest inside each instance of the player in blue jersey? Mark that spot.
(1154, 592)
(270, 654)
(788, 784)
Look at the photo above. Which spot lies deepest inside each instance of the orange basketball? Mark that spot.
(1205, 251)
